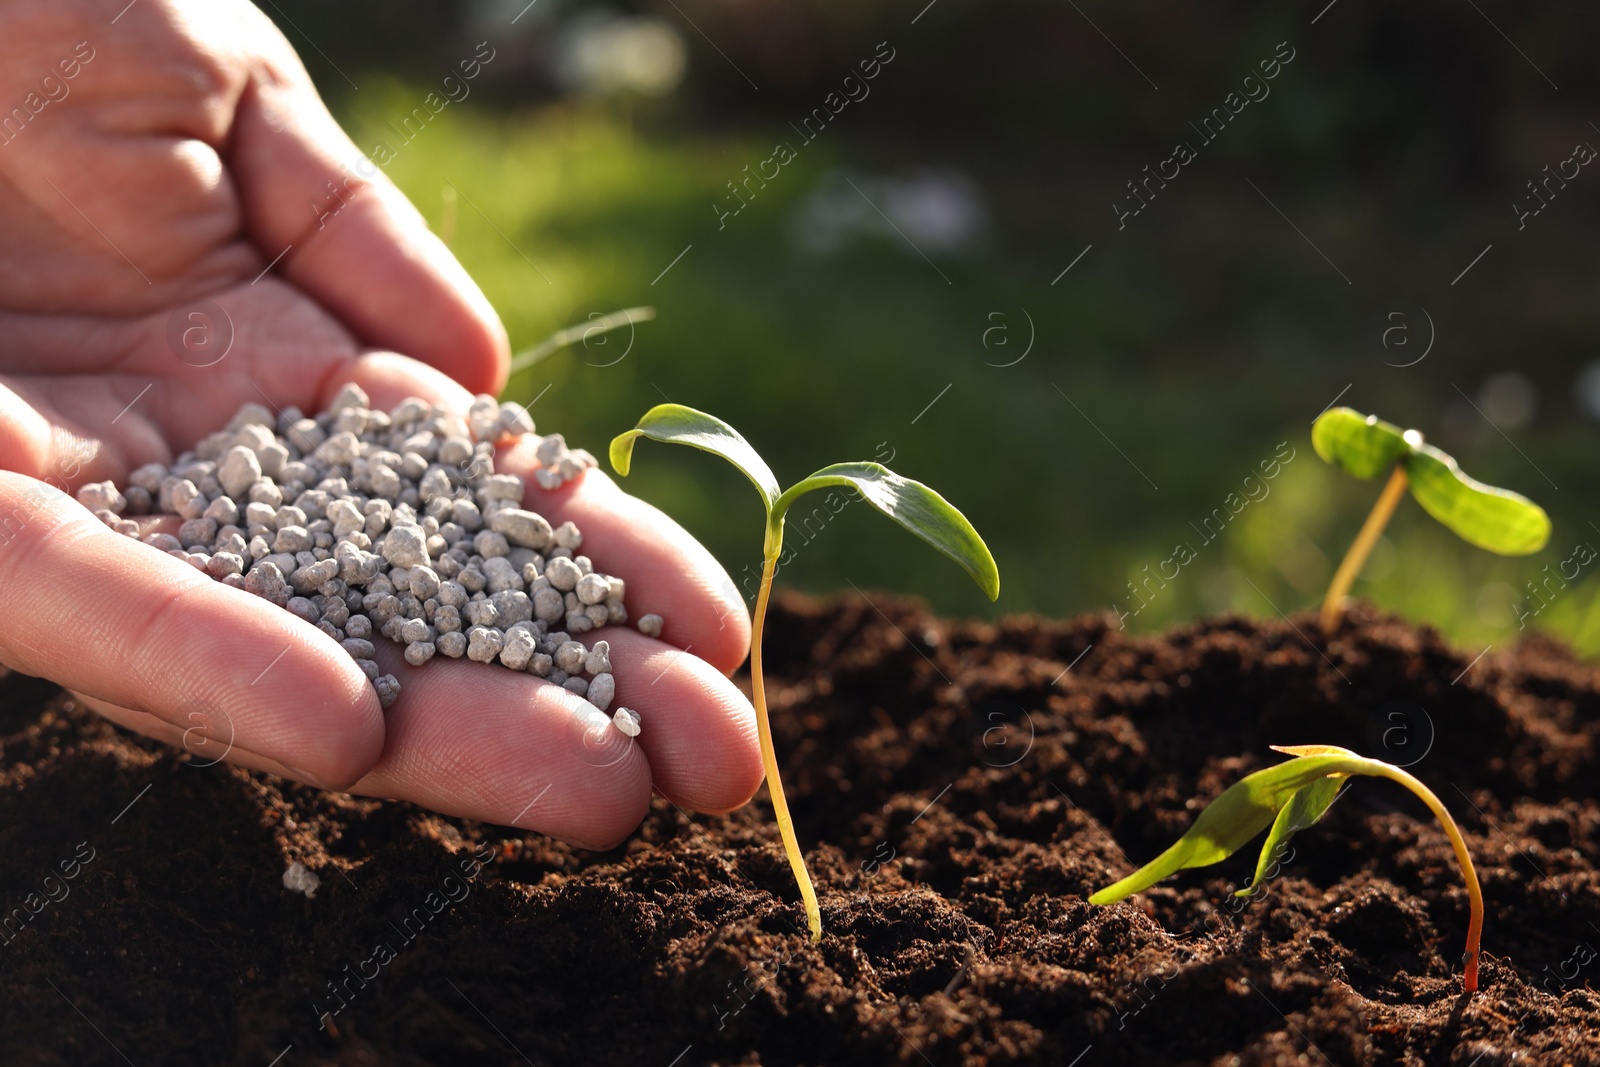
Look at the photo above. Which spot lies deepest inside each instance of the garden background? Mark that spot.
(962, 262)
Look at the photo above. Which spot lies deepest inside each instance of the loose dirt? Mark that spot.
(960, 789)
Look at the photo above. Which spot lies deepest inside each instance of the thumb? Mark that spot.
(127, 625)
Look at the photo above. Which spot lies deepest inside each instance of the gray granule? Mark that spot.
(197, 532)
(563, 574)
(570, 657)
(483, 418)
(592, 589)
(484, 643)
(102, 496)
(499, 575)
(602, 691)
(523, 528)
(367, 523)
(518, 648)
(239, 470)
(547, 605)
(388, 689)
(179, 495)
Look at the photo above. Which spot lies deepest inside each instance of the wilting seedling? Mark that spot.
(911, 504)
(1290, 797)
(1366, 446)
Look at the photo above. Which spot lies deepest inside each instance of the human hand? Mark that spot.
(165, 264)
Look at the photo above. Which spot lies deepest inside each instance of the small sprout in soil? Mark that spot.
(1290, 797)
(1366, 446)
(911, 504)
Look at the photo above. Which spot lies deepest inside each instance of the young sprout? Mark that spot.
(597, 324)
(911, 504)
(1290, 797)
(1366, 446)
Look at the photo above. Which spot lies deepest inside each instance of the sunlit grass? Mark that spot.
(569, 210)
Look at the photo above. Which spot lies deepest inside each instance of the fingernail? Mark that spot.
(309, 779)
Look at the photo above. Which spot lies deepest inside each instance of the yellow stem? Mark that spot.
(1356, 558)
(1474, 892)
(769, 755)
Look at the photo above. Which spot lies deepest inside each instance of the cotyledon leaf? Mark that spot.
(1303, 809)
(1362, 445)
(679, 425)
(1495, 519)
(1244, 809)
(914, 506)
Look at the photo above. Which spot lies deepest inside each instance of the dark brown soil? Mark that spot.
(959, 796)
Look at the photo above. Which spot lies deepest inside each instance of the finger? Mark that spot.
(349, 237)
(668, 572)
(209, 739)
(41, 447)
(696, 726)
(485, 742)
(124, 623)
(699, 737)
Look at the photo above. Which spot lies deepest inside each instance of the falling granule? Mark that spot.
(301, 879)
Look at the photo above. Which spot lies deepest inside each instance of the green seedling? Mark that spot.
(1290, 797)
(911, 504)
(597, 324)
(1366, 446)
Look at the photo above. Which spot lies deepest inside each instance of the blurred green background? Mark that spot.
(901, 286)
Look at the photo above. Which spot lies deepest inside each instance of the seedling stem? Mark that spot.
(1393, 492)
(583, 331)
(1469, 979)
(769, 754)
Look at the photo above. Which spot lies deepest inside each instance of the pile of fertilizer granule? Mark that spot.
(365, 523)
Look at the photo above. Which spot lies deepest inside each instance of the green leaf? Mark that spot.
(1362, 445)
(1496, 519)
(914, 506)
(1303, 809)
(1244, 809)
(678, 425)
